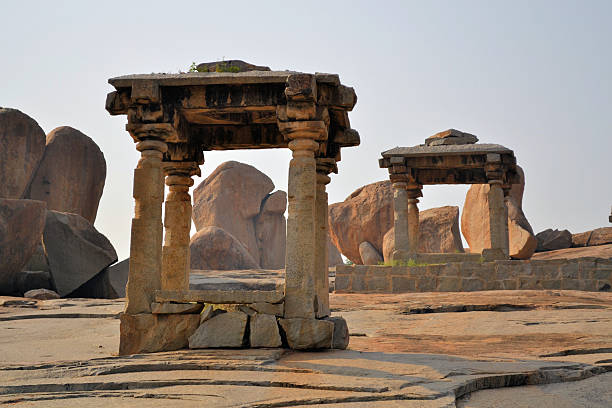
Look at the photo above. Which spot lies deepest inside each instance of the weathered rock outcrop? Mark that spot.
(236, 198)
(21, 227)
(271, 230)
(438, 232)
(71, 174)
(22, 144)
(551, 240)
(599, 236)
(214, 248)
(366, 215)
(77, 252)
(475, 221)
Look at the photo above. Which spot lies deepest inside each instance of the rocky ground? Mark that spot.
(409, 350)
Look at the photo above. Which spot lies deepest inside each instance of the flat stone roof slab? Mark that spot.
(218, 78)
(447, 150)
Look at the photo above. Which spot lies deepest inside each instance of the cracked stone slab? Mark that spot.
(398, 359)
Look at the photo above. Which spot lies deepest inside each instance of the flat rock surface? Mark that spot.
(408, 350)
(599, 251)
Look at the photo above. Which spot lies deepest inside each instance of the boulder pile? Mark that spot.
(362, 226)
(240, 221)
(49, 198)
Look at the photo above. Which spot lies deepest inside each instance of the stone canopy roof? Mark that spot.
(446, 150)
(203, 111)
(458, 162)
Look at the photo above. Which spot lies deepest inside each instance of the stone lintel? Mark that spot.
(220, 296)
(175, 308)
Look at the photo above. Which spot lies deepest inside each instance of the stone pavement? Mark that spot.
(409, 350)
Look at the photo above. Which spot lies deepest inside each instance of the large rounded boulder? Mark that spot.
(475, 221)
(230, 198)
(438, 232)
(21, 228)
(22, 144)
(365, 216)
(213, 248)
(71, 174)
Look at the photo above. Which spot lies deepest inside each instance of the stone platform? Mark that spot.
(407, 350)
(587, 274)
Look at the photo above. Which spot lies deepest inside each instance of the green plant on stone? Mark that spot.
(410, 263)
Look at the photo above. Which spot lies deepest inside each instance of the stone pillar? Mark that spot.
(413, 192)
(498, 210)
(177, 221)
(299, 263)
(400, 219)
(498, 218)
(146, 239)
(324, 167)
(506, 221)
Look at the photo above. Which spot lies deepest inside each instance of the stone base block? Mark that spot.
(264, 331)
(340, 337)
(222, 330)
(494, 254)
(307, 334)
(148, 333)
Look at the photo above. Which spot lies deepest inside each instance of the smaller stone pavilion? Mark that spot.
(228, 105)
(449, 157)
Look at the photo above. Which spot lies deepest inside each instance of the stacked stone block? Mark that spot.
(587, 274)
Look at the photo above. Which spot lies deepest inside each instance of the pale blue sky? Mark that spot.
(534, 76)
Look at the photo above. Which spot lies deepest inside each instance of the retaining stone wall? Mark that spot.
(588, 274)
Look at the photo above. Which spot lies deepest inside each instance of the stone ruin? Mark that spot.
(449, 157)
(174, 118)
(454, 157)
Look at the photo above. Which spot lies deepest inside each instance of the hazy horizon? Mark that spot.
(532, 76)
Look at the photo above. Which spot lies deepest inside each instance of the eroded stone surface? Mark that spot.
(71, 174)
(223, 330)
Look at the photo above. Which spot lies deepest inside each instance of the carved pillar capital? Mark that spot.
(306, 129)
